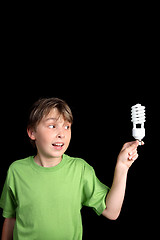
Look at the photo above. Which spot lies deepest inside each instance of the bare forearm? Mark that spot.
(115, 197)
(7, 231)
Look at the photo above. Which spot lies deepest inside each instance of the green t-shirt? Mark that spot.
(47, 201)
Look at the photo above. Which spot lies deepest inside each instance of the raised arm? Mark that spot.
(115, 197)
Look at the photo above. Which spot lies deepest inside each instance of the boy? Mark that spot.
(43, 194)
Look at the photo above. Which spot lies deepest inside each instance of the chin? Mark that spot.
(57, 155)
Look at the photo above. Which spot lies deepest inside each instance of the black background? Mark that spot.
(101, 70)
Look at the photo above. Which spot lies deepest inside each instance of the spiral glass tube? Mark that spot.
(138, 119)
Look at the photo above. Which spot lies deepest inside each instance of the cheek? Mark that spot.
(68, 137)
(42, 137)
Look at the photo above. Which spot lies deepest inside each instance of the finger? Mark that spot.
(134, 151)
(133, 146)
(130, 144)
(133, 157)
(132, 154)
(127, 144)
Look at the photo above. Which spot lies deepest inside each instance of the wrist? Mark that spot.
(121, 168)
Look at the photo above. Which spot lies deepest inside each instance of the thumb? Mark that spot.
(130, 145)
(133, 146)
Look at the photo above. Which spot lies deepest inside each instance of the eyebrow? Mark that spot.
(53, 119)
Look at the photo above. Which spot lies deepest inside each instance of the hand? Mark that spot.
(128, 153)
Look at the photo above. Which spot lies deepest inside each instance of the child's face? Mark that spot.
(52, 135)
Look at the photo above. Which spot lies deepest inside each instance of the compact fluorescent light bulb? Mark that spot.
(138, 119)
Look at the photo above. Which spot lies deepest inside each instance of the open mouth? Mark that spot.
(58, 145)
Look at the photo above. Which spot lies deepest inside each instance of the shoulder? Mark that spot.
(20, 164)
(76, 160)
(79, 163)
(17, 169)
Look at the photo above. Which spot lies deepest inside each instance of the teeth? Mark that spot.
(58, 144)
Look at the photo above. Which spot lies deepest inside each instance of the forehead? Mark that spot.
(54, 115)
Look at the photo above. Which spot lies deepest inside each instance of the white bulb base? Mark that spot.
(138, 133)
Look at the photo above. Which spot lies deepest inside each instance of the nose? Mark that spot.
(60, 135)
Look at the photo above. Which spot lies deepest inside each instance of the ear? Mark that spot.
(31, 133)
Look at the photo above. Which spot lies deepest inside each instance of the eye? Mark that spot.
(67, 127)
(51, 126)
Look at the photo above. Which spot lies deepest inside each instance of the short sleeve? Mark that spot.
(94, 192)
(7, 200)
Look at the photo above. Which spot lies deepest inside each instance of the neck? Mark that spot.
(47, 162)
